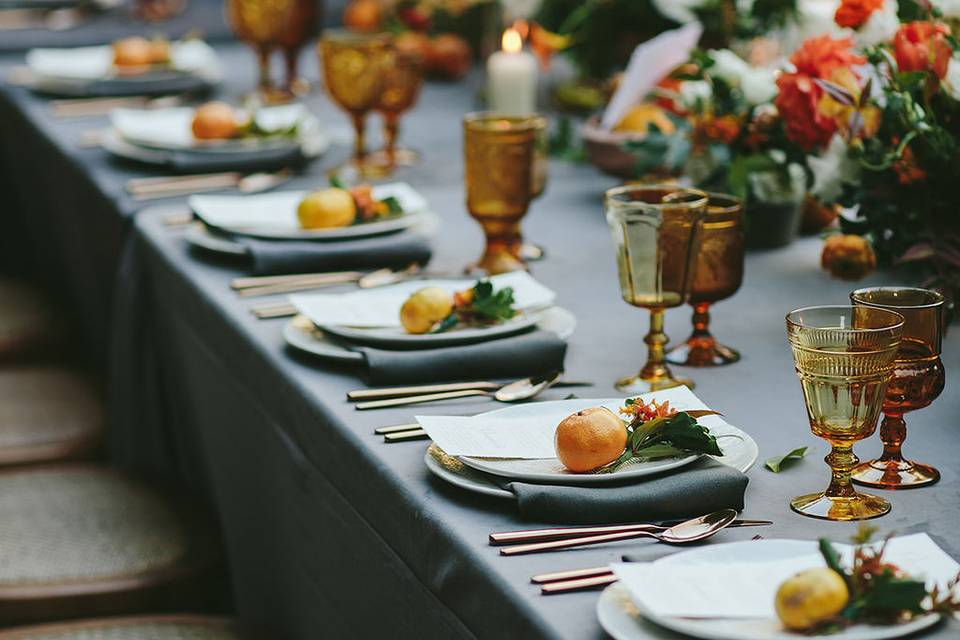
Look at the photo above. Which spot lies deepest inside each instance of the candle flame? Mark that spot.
(512, 43)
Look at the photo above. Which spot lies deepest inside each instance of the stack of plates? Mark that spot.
(165, 137)
(330, 323)
(273, 216)
(89, 71)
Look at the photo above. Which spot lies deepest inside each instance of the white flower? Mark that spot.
(881, 26)
(814, 18)
(832, 170)
(678, 10)
(728, 66)
(951, 81)
(692, 93)
(757, 84)
(949, 8)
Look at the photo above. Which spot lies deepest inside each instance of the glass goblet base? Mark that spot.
(532, 252)
(402, 157)
(354, 171)
(701, 352)
(637, 384)
(859, 506)
(894, 474)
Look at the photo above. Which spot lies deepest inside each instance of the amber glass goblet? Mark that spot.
(656, 234)
(302, 25)
(718, 275)
(500, 158)
(401, 87)
(918, 379)
(353, 72)
(844, 359)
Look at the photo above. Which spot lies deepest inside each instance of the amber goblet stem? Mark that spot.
(263, 60)
(291, 60)
(701, 324)
(391, 130)
(359, 140)
(656, 339)
(841, 461)
(893, 431)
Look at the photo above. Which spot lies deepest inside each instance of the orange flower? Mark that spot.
(922, 46)
(848, 257)
(647, 411)
(906, 167)
(723, 129)
(853, 13)
(798, 100)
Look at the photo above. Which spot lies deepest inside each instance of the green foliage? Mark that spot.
(490, 305)
(776, 463)
(668, 437)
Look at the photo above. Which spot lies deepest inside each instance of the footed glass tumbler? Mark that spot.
(500, 154)
(718, 275)
(353, 73)
(656, 235)
(844, 359)
(918, 380)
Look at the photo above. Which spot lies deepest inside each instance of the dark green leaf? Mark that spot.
(777, 463)
(890, 594)
(831, 557)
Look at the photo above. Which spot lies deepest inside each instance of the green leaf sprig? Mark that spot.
(776, 463)
(666, 436)
(482, 305)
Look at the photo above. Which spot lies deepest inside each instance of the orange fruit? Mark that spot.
(363, 15)
(811, 597)
(327, 209)
(213, 121)
(589, 439)
(132, 52)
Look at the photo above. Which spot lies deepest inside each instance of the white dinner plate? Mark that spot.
(274, 215)
(620, 616)
(300, 334)
(73, 70)
(398, 338)
(552, 471)
(172, 129)
(740, 454)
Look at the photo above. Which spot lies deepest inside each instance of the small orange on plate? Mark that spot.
(589, 439)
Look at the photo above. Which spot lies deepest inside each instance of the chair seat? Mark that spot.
(78, 539)
(157, 627)
(27, 321)
(47, 413)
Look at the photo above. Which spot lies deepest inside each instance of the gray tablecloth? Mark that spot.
(329, 530)
(324, 521)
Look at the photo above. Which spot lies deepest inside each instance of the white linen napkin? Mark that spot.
(380, 307)
(171, 128)
(96, 63)
(530, 437)
(745, 587)
(278, 211)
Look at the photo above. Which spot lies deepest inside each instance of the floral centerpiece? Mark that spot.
(880, 118)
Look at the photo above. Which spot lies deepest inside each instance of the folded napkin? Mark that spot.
(694, 490)
(518, 356)
(153, 84)
(241, 161)
(305, 256)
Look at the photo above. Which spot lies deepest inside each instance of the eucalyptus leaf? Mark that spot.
(777, 463)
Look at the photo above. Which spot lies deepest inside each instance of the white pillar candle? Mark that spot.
(512, 77)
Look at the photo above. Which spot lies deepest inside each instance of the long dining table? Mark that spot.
(329, 531)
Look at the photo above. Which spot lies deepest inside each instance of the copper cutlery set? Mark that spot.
(672, 532)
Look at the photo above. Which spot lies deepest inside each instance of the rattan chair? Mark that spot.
(81, 540)
(155, 627)
(47, 413)
(28, 324)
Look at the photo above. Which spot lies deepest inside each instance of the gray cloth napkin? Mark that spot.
(159, 83)
(690, 491)
(518, 356)
(241, 161)
(296, 256)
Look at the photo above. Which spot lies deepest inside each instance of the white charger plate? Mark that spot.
(397, 337)
(274, 215)
(300, 334)
(623, 619)
(740, 454)
(552, 471)
(172, 129)
(72, 70)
